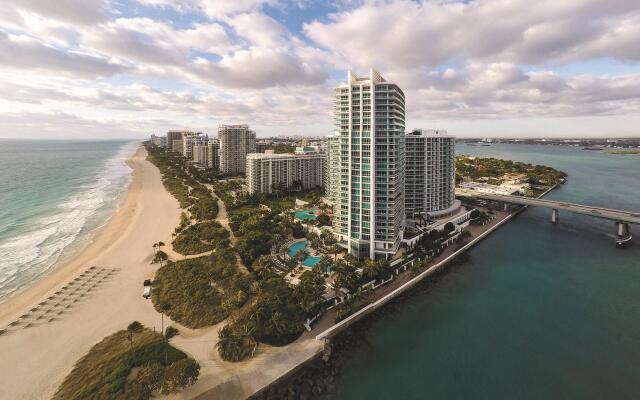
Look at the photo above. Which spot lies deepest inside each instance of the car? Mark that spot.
(147, 282)
(146, 293)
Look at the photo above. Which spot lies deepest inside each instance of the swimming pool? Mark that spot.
(307, 215)
(310, 261)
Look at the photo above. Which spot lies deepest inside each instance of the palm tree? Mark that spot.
(346, 276)
(156, 247)
(372, 269)
(301, 255)
(133, 327)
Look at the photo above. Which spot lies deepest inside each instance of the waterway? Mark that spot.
(539, 311)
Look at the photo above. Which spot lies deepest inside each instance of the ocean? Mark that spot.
(539, 311)
(53, 196)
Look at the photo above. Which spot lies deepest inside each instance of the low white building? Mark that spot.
(266, 171)
(490, 189)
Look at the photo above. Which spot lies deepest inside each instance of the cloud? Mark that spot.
(161, 63)
(217, 9)
(411, 34)
(499, 90)
(72, 11)
(25, 53)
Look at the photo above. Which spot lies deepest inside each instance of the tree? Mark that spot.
(449, 227)
(134, 327)
(156, 248)
(346, 276)
(335, 249)
(301, 255)
(297, 230)
(170, 332)
(323, 220)
(372, 269)
(235, 346)
(160, 256)
(276, 317)
(352, 304)
(309, 292)
(314, 239)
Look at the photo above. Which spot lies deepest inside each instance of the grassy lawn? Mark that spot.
(116, 368)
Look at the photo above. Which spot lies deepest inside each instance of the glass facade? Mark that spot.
(368, 173)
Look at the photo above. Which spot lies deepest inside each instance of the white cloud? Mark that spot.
(25, 53)
(412, 34)
(91, 61)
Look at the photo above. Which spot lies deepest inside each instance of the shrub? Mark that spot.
(179, 374)
(103, 373)
(170, 332)
(200, 238)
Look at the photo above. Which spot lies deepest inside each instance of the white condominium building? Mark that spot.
(188, 140)
(205, 153)
(332, 179)
(430, 173)
(267, 172)
(236, 141)
(369, 122)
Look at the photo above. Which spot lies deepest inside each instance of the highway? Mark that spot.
(628, 217)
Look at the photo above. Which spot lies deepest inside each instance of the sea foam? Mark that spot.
(52, 238)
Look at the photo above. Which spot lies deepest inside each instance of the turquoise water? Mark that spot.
(296, 247)
(52, 195)
(538, 312)
(310, 261)
(306, 215)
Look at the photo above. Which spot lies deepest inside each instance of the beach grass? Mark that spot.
(201, 291)
(200, 238)
(117, 368)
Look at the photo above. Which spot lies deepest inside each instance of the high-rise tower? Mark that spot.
(369, 176)
(236, 141)
(430, 174)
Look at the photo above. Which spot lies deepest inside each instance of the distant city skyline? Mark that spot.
(107, 69)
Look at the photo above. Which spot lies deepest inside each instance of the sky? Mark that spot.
(478, 68)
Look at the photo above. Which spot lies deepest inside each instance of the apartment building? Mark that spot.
(267, 172)
(236, 141)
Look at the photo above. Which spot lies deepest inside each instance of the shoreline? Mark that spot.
(68, 311)
(345, 326)
(80, 243)
(68, 263)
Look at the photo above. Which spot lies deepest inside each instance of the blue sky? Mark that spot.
(128, 68)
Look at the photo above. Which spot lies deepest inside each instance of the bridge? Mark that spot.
(620, 217)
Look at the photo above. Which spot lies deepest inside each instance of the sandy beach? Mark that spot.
(74, 307)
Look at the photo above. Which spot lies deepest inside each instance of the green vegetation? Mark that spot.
(275, 318)
(624, 152)
(170, 332)
(201, 237)
(262, 306)
(189, 192)
(494, 169)
(130, 364)
(281, 148)
(201, 291)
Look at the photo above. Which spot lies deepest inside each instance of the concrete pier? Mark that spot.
(554, 216)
